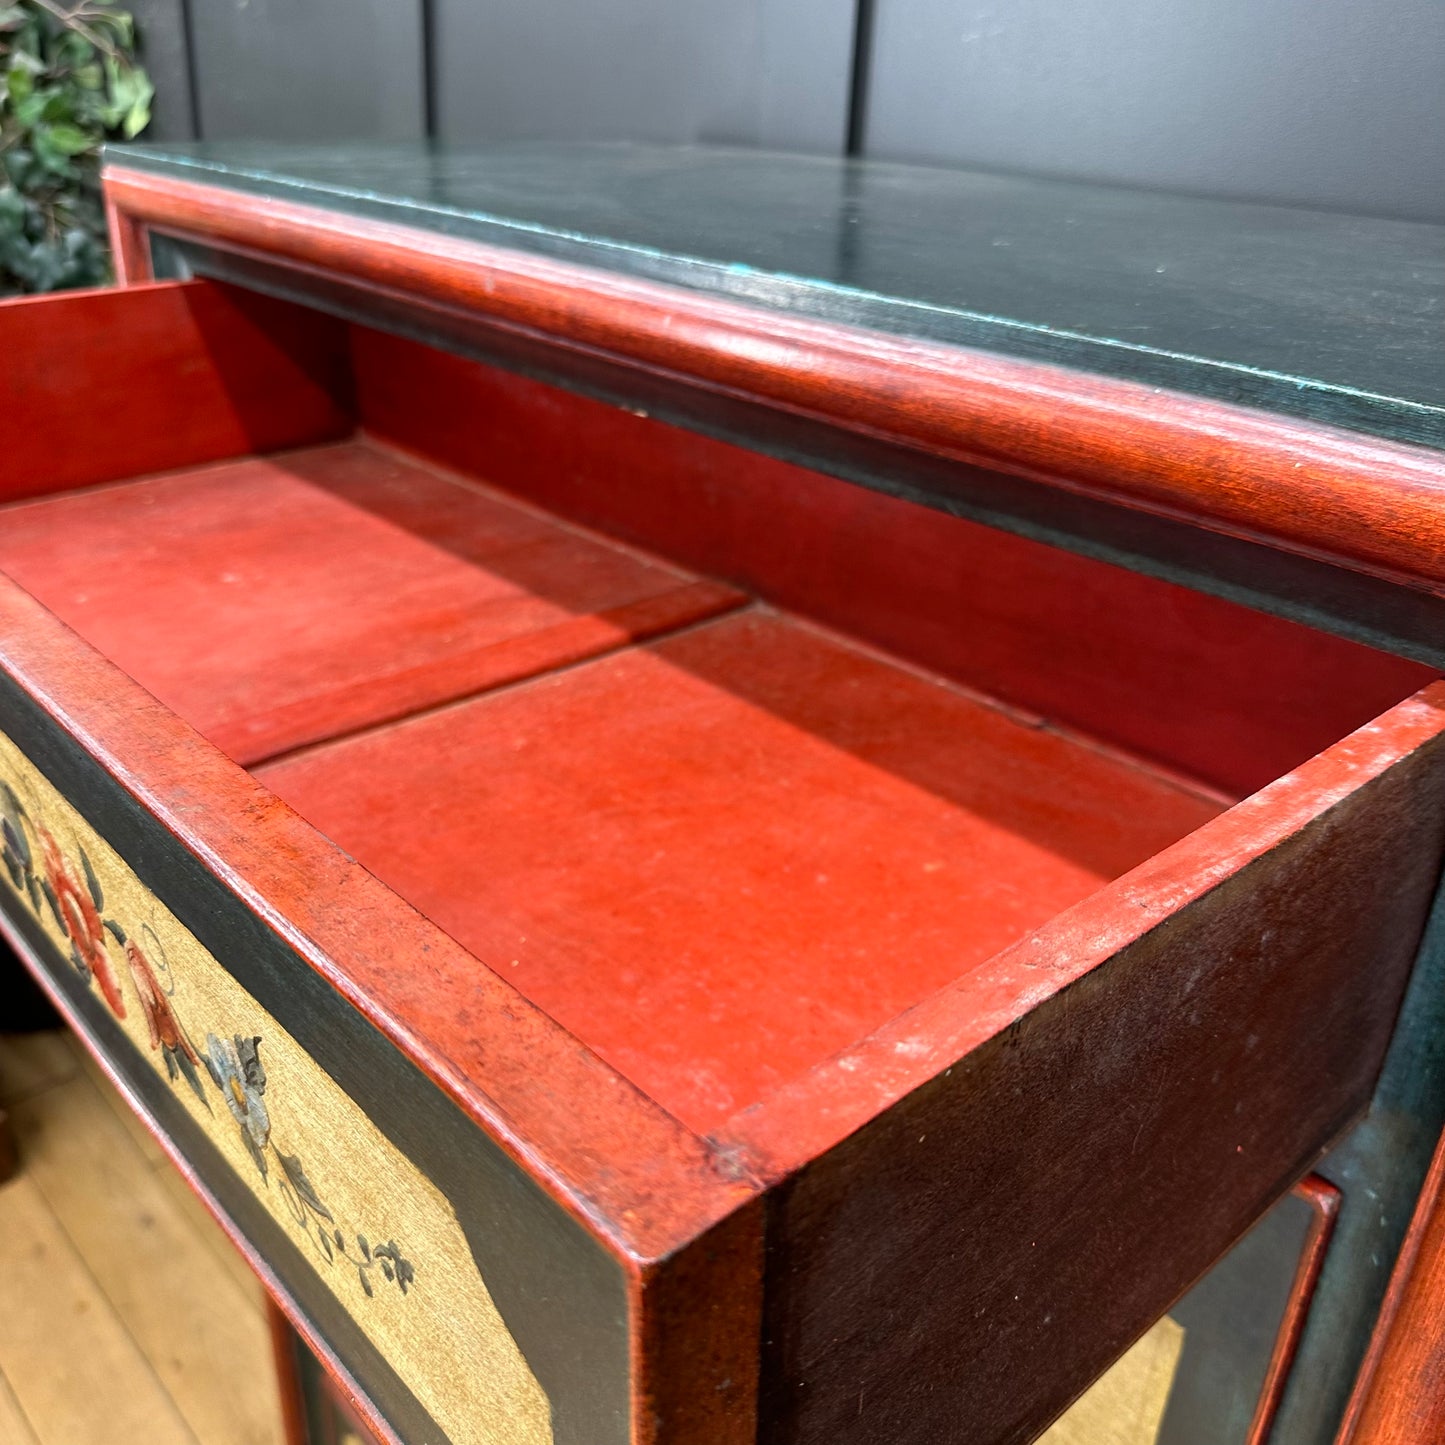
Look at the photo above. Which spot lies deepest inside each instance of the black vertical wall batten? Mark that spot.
(1353, 122)
(193, 90)
(861, 79)
(429, 68)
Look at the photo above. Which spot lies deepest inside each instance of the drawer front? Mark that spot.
(464, 1303)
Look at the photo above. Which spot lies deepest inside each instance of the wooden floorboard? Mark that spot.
(14, 1427)
(226, 1254)
(144, 1140)
(125, 1315)
(75, 1370)
(184, 1196)
(32, 1063)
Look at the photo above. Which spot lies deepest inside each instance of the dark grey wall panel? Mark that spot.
(1332, 103)
(752, 72)
(309, 69)
(161, 26)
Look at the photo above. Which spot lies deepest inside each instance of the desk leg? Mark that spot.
(284, 1347)
(9, 1156)
(23, 1009)
(312, 1411)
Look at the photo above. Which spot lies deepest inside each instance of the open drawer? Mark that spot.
(641, 941)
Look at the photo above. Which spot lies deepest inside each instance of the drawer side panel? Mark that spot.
(975, 1256)
(101, 385)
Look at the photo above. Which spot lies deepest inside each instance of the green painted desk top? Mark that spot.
(1331, 317)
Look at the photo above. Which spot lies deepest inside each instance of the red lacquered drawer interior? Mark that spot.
(718, 859)
(275, 601)
(719, 845)
(998, 914)
(725, 856)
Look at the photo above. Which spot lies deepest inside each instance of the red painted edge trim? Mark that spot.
(1373, 506)
(130, 250)
(1324, 1199)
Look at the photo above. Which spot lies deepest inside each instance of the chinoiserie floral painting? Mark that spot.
(380, 1235)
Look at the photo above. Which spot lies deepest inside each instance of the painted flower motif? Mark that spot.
(15, 845)
(15, 851)
(70, 891)
(77, 910)
(236, 1070)
(166, 1032)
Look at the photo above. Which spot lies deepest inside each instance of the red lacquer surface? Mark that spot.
(1207, 687)
(100, 385)
(272, 602)
(1399, 1394)
(722, 857)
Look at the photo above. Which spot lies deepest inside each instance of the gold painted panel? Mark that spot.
(1125, 1405)
(380, 1236)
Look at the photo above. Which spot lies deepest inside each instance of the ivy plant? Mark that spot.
(70, 82)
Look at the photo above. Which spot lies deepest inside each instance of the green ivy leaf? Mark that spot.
(57, 104)
(139, 114)
(68, 82)
(17, 166)
(28, 111)
(26, 60)
(68, 139)
(19, 84)
(76, 50)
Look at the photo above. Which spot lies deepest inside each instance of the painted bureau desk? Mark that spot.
(715, 798)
